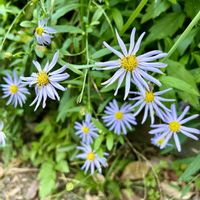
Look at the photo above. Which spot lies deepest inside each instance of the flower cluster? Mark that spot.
(87, 131)
(133, 69)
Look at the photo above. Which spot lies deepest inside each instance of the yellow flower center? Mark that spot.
(90, 156)
(39, 31)
(85, 129)
(129, 63)
(174, 126)
(42, 79)
(160, 141)
(149, 97)
(119, 115)
(13, 89)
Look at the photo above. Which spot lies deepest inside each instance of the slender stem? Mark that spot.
(133, 16)
(184, 34)
(14, 21)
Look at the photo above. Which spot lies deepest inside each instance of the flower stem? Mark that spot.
(184, 34)
(133, 16)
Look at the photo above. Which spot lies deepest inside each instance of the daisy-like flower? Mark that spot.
(46, 82)
(92, 160)
(132, 67)
(44, 33)
(2, 135)
(14, 89)
(173, 126)
(118, 119)
(151, 102)
(158, 141)
(86, 130)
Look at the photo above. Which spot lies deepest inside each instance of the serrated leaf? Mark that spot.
(178, 84)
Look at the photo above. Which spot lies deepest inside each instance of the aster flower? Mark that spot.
(86, 130)
(2, 135)
(132, 67)
(92, 160)
(46, 82)
(175, 124)
(44, 33)
(118, 118)
(158, 140)
(151, 102)
(14, 89)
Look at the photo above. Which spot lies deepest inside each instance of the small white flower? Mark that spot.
(47, 82)
(44, 33)
(174, 126)
(14, 89)
(131, 67)
(92, 160)
(151, 102)
(86, 130)
(2, 135)
(119, 119)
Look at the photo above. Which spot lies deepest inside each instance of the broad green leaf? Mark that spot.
(178, 84)
(155, 9)
(62, 166)
(27, 24)
(109, 141)
(64, 10)
(191, 170)
(192, 7)
(118, 19)
(68, 29)
(98, 141)
(166, 26)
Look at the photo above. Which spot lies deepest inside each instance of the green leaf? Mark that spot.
(178, 84)
(185, 75)
(62, 166)
(27, 24)
(97, 15)
(191, 170)
(99, 125)
(192, 7)
(64, 10)
(155, 9)
(166, 26)
(109, 141)
(68, 29)
(98, 142)
(118, 19)
(47, 177)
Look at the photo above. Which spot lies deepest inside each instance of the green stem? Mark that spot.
(133, 16)
(184, 34)
(14, 21)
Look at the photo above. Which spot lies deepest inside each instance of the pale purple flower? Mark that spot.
(2, 135)
(86, 130)
(173, 126)
(47, 82)
(158, 140)
(14, 89)
(118, 119)
(131, 67)
(92, 160)
(151, 102)
(44, 33)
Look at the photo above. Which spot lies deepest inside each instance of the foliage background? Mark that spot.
(46, 137)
